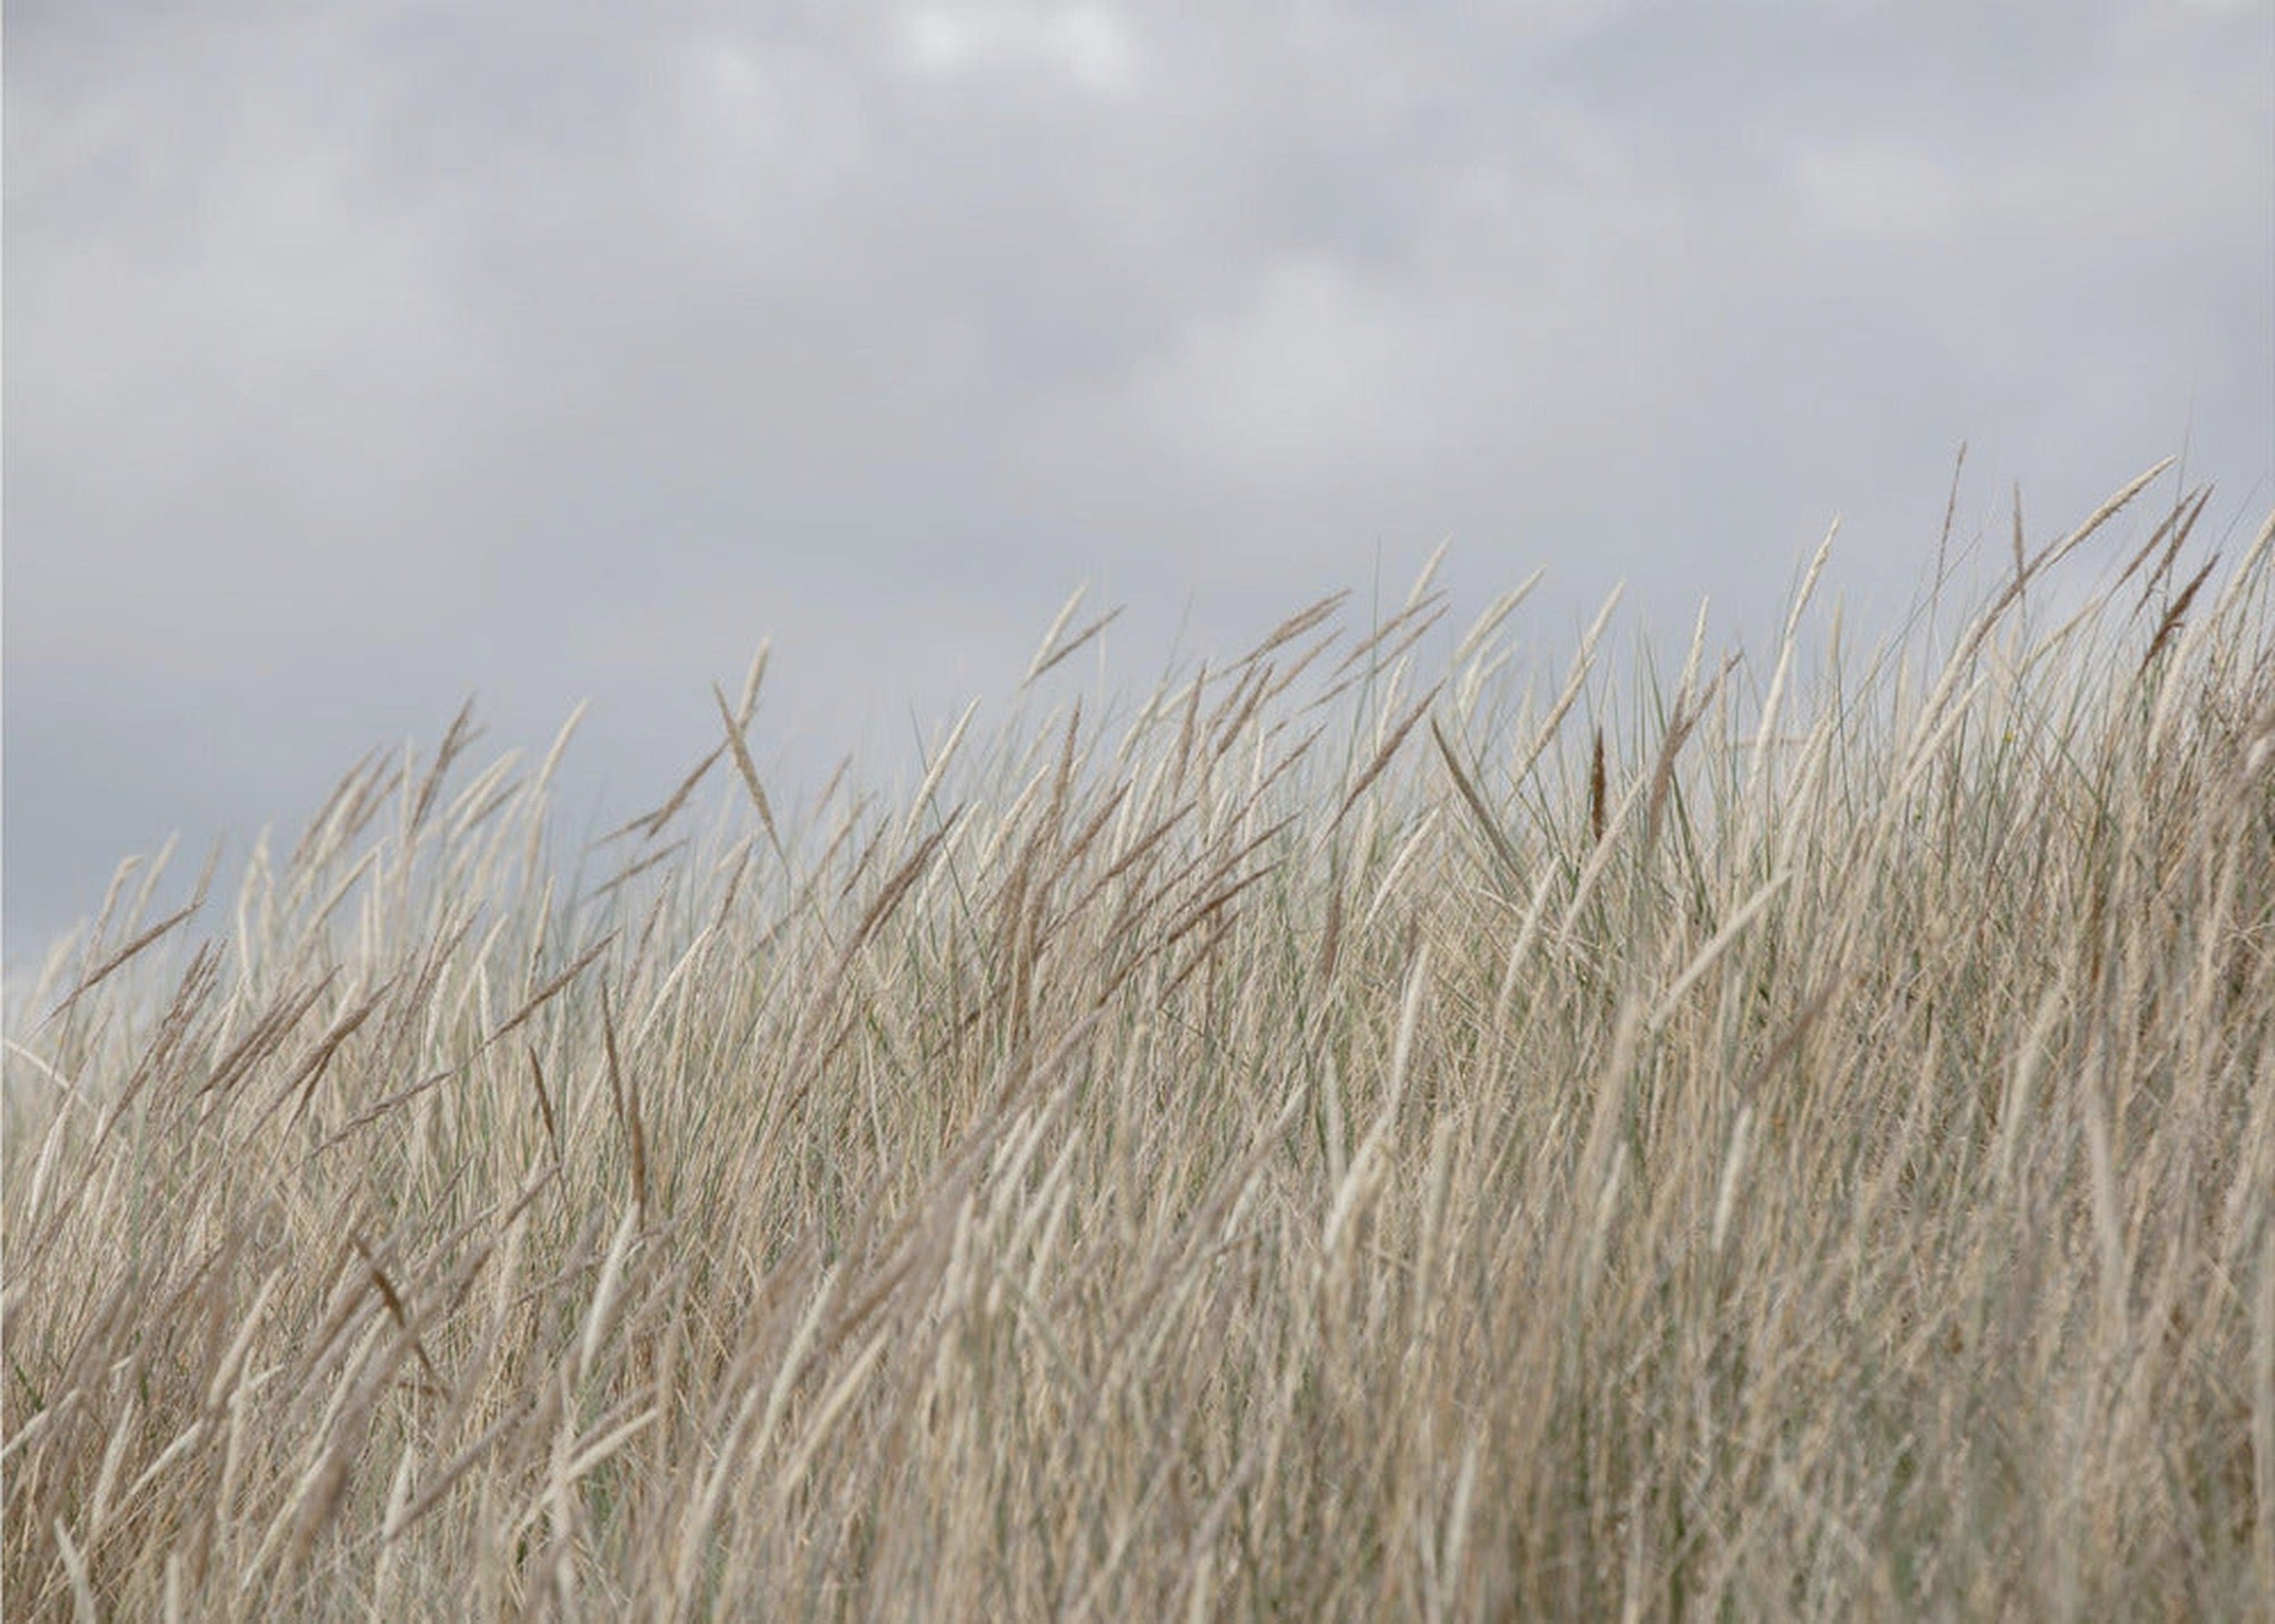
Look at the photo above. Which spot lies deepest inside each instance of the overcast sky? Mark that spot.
(362, 355)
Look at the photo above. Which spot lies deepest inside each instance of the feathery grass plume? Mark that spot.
(1210, 1158)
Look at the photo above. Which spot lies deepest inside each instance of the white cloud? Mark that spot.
(1321, 372)
(763, 125)
(1878, 190)
(1089, 46)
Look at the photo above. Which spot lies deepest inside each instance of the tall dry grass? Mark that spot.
(1790, 1138)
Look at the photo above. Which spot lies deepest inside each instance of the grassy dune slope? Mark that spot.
(1789, 1137)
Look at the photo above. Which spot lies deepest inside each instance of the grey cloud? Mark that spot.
(362, 355)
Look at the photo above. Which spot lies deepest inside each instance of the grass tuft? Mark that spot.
(1798, 1146)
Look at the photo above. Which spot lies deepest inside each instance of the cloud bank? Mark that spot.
(362, 355)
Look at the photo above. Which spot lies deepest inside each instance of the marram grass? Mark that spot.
(1790, 1138)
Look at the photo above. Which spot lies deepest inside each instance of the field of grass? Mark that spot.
(1788, 1135)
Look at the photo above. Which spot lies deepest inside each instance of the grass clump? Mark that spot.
(1323, 1144)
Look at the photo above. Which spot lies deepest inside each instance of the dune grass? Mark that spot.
(1788, 1137)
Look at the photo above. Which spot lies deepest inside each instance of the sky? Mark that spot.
(362, 357)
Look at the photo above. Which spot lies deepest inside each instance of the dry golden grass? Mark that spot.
(1796, 1142)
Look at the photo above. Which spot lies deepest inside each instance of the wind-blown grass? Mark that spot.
(1329, 1143)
